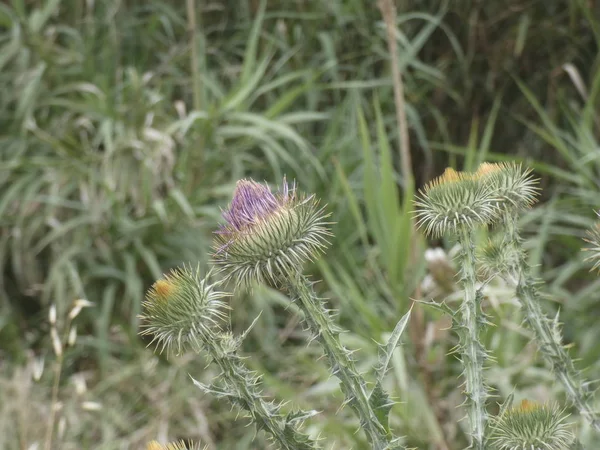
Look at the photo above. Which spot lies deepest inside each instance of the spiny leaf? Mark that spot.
(386, 351)
(381, 404)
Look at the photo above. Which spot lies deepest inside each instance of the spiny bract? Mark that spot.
(155, 445)
(511, 183)
(454, 200)
(267, 236)
(496, 257)
(593, 237)
(182, 308)
(531, 426)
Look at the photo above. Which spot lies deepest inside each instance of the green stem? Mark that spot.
(352, 383)
(472, 352)
(246, 395)
(196, 88)
(547, 334)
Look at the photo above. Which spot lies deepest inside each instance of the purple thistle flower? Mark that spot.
(268, 233)
(251, 202)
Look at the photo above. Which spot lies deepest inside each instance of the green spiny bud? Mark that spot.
(512, 184)
(267, 236)
(531, 426)
(180, 445)
(182, 308)
(496, 257)
(454, 200)
(593, 237)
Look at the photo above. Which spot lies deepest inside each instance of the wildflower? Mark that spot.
(267, 235)
(514, 185)
(180, 445)
(593, 237)
(455, 200)
(531, 426)
(182, 308)
(496, 257)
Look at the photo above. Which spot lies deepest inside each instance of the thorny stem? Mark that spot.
(352, 383)
(265, 415)
(546, 333)
(472, 352)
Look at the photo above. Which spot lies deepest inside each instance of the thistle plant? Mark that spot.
(531, 426)
(183, 311)
(593, 238)
(515, 190)
(267, 238)
(180, 445)
(456, 203)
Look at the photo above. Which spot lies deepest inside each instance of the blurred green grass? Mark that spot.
(118, 149)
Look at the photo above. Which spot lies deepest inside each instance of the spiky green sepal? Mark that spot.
(531, 426)
(453, 201)
(263, 244)
(182, 309)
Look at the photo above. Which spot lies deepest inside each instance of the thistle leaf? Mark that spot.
(382, 404)
(386, 351)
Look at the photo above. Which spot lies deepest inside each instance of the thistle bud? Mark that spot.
(514, 185)
(182, 308)
(531, 426)
(495, 257)
(155, 445)
(593, 238)
(267, 236)
(454, 200)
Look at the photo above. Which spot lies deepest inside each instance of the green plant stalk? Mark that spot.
(58, 367)
(265, 415)
(472, 352)
(546, 334)
(352, 383)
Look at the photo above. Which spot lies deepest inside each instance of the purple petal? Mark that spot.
(251, 202)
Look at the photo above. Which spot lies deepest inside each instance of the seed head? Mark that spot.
(512, 184)
(266, 236)
(454, 200)
(182, 308)
(531, 426)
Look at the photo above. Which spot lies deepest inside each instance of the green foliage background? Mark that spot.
(123, 132)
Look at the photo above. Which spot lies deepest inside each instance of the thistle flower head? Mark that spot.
(180, 445)
(267, 235)
(513, 185)
(531, 426)
(181, 309)
(454, 200)
(496, 257)
(593, 237)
